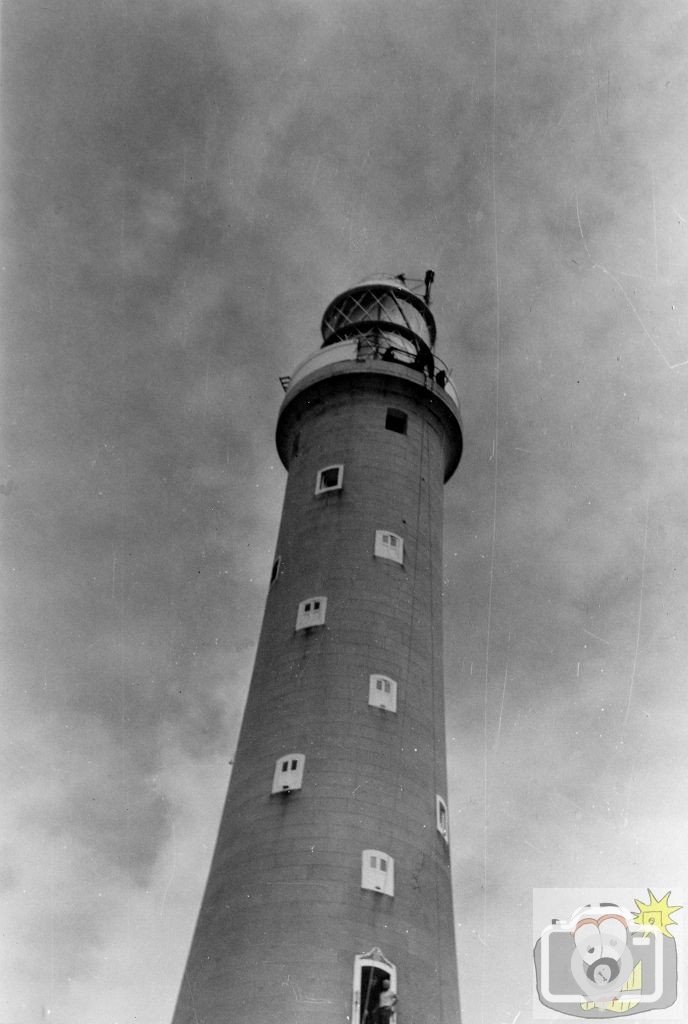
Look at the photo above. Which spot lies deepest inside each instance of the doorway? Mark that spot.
(370, 969)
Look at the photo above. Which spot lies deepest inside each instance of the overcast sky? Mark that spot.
(189, 184)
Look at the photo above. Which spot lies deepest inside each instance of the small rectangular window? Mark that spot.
(288, 774)
(377, 871)
(329, 479)
(311, 612)
(442, 818)
(382, 693)
(396, 420)
(389, 545)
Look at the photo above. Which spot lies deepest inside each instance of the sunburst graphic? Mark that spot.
(656, 912)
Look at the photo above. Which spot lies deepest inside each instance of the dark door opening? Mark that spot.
(371, 985)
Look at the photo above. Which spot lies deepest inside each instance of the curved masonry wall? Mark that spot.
(284, 914)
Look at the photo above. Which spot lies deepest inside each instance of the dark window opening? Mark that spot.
(442, 818)
(329, 477)
(396, 420)
(275, 570)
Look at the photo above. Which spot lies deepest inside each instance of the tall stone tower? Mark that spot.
(331, 871)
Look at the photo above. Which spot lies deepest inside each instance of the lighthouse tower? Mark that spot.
(330, 883)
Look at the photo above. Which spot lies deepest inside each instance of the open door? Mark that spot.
(369, 971)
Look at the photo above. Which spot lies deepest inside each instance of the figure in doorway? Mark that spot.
(387, 1003)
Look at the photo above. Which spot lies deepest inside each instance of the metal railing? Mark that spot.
(434, 371)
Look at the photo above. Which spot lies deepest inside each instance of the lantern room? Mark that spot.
(385, 312)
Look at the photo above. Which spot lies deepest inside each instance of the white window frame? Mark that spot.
(389, 545)
(377, 871)
(288, 774)
(321, 487)
(442, 817)
(382, 692)
(311, 612)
